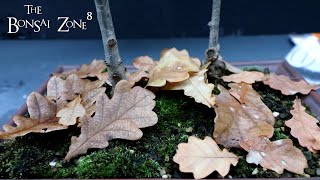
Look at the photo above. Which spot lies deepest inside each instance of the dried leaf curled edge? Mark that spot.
(304, 127)
(119, 117)
(202, 157)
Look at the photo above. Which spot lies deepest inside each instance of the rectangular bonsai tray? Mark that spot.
(278, 67)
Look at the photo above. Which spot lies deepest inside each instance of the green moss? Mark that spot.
(179, 116)
(151, 156)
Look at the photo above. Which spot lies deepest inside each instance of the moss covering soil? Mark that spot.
(41, 155)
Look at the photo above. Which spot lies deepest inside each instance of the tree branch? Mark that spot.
(214, 47)
(113, 61)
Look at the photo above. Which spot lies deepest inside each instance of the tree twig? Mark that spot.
(113, 61)
(214, 47)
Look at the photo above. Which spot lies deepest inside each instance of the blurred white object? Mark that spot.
(306, 53)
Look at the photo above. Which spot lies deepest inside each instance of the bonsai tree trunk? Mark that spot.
(212, 52)
(113, 61)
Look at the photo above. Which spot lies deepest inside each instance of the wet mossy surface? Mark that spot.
(41, 155)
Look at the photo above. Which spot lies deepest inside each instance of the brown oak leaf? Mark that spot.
(196, 87)
(277, 155)
(304, 127)
(248, 77)
(287, 86)
(42, 118)
(245, 94)
(72, 111)
(235, 121)
(119, 117)
(202, 157)
(174, 66)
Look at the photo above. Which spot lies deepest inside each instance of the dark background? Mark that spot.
(171, 18)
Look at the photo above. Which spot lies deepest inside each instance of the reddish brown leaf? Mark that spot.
(119, 117)
(42, 118)
(287, 86)
(235, 121)
(277, 155)
(248, 77)
(202, 157)
(304, 127)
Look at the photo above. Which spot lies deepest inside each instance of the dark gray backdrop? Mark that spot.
(173, 18)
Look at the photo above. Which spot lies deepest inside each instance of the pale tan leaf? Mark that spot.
(174, 66)
(90, 97)
(137, 76)
(119, 117)
(277, 155)
(235, 121)
(248, 77)
(196, 87)
(202, 157)
(56, 88)
(42, 118)
(69, 114)
(287, 86)
(144, 63)
(304, 127)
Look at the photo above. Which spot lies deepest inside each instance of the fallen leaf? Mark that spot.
(89, 98)
(174, 66)
(137, 76)
(248, 77)
(277, 155)
(287, 86)
(196, 87)
(42, 118)
(119, 117)
(56, 88)
(144, 63)
(304, 127)
(69, 114)
(245, 94)
(235, 121)
(94, 69)
(202, 157)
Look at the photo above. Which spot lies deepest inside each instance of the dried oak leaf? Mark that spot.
(119, 117)
(94, 69)
(277, 155)
(245, 94)
(73, 110)
(174, 66)
(196, 87)
(42, 118)
(144, 63)
(202, 157)
(287, 86)
(248, 77)
(304, 127)
(235, 121)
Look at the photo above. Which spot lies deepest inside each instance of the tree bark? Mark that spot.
(113, 60)
(214, 47)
